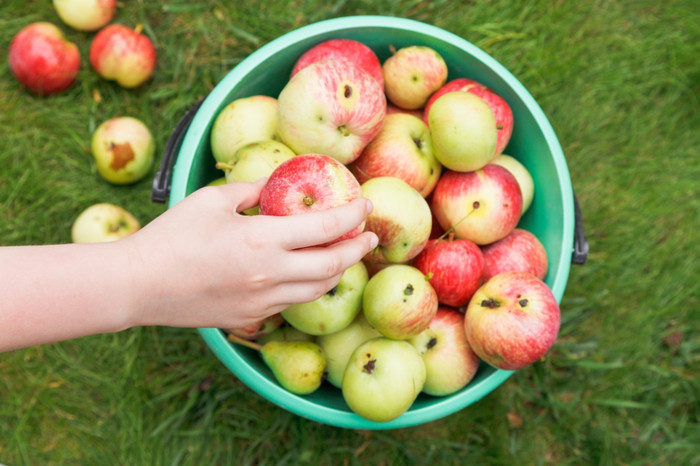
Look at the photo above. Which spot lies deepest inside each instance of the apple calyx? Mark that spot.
(408, 291)
(369, 367)
(120, 225)
(308, 200)
(490, 303)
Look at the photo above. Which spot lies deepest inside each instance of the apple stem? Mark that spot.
(242, 341)
(138, 28)
(223, 166)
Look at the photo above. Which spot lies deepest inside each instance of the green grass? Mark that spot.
(620, 83)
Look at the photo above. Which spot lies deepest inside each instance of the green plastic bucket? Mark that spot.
(553, 215)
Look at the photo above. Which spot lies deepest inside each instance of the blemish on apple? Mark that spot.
(122, 154)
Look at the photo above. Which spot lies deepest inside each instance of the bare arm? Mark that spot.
(200, 264)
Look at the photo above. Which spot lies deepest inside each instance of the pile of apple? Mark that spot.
(453, 280)
(46, 63)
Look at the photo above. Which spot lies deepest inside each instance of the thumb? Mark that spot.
(244, 195)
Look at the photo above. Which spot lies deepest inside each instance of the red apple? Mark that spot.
(520, 251)
(500, 108)
(454, 267)
(85, 15)
(482, 206)
(391, 108)
(123, 54)
(42, 59)
(342, 49)
(331, 107)
(310, 182)
(412, 74)
(512, 320)
(402, 149)
(450, 363)
(258, 329)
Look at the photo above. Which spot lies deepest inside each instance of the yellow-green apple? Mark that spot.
(123, 149)
(383, 378)
(331, 107)
(103, 222)
(338, 346)
(42, 59)
(412, 74)
(307, 183)
(258, 329)
(512, 320)
(298, 366)
(401, 218)
(454, 267)
(522, 174)
(399, 301)
(464, 131)
(217, 181)
(482, 206)
(520, 251)
(450, 363)
(402, 149)
(500, 108)
(342, 49)
(122, 54)
(335, 309)
(85, 15)
(242, 121)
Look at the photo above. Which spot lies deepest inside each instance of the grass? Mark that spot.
(620, 84)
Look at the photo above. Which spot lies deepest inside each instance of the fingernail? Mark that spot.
(368, 206)
(373, 241)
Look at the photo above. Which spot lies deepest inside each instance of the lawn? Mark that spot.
(620, 84)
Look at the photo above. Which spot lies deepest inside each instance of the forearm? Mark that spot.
(58, 292)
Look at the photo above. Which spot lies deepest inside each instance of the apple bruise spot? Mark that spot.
(347, 93)
(122, 154)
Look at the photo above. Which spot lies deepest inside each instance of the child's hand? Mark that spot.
(202, 264)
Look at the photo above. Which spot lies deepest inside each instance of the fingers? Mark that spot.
(242, 195)
(320, 227)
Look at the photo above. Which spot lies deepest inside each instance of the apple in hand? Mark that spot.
(402, 149)
(103, 222)
(42, 59)
(258, 329)
(500, 108)
(520, 251)
(482, 206)
(454, 267)
(412, 74)
(331, 107)
(335, 309)
(401, 219)
(85, 15)
(450, 363)
(399, 301)
(464, 131)
(383, 378)
(342, 49)
(518, 170)
(119, 53)
(123, 149)
(307, 183)
(512, 320)
(338, 346)
(243, 121)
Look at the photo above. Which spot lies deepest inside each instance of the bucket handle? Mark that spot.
(161, 183)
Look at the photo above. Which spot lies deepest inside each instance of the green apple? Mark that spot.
(246, 119)
(285, 332)
(399, 301)
(401, 218)
(298, 366)
(123, 149)
(383, 378)
(525, 181)
(334, 310)
(217, 182)
(464, 131)
(255, 160)
(339, 346)
(103, 222)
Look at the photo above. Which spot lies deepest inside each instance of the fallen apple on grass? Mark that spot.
(43, 60)
(103, 222)
(85, 15)
(512, 321)
(332, 107)
(122, 54)
(123, 149)
(310, 182)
